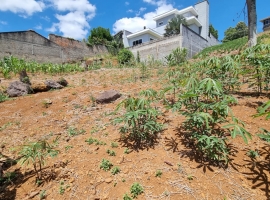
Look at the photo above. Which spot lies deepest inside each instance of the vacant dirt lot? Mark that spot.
(75, 173)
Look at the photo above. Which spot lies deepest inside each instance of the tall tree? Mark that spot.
(213, 31)
(99, 35)
(239, 31)
(173, 26)
(252, 22)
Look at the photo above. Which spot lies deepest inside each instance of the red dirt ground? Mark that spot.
(77, 167)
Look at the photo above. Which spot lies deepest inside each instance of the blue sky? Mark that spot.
(75, 18)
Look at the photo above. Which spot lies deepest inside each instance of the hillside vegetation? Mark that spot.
(232, 46)
(193, 129)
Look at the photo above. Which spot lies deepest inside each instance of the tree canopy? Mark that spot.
(99, 35)
(213, 31)
(173, 26)
(239, 31)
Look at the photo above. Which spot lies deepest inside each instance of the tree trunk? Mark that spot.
(252, 23)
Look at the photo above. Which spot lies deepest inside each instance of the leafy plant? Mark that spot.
(3, 97)
(68, 147)
(114, 144)
(177, 57)
(111, 152)
(62, 187)
(94, 141)
(115, 170)
(136, 189)
(35, 153)
(42, 194)
(190, 177)
(126, 197)
(125, 56)
(264, 111)
(207, 107)
(105, 165)
(126, 151)
(253, 154)
(140, 120)
(72, 131)
(158, 173)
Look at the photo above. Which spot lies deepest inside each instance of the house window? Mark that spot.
(266, 22)
(136, 42)
(160, 23)
(151, 39)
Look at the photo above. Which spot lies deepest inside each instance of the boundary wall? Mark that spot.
(32, 46)
(159, 49)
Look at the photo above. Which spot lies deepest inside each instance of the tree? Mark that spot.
(173, 26)
(252, 22)
(239, 31)
(213, 31)
(99, 36)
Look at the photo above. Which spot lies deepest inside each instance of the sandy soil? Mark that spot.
(75, 173)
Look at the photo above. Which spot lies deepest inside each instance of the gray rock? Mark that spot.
(108, 96)
(62, 82)
(53, 84)
(17, 88)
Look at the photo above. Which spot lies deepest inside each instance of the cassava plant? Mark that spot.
(258, 66)
(139, 123)
(207, 108)
(36, 153)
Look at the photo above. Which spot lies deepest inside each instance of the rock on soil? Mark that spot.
(108, 96)
(39, 86)
(62, 82)
(53, 84)
(17, 88)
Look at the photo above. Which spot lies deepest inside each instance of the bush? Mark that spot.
(125, 56)
(139, 121)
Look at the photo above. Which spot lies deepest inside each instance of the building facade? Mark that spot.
(266, 24)
(197, 19)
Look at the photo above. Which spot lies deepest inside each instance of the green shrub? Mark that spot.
(36, 154)
(3, 97)
(125, 56)
(105, 165)
(140, 120)
(115, 170)
(136, 189)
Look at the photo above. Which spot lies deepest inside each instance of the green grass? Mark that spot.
(237, 44)
(227, 46)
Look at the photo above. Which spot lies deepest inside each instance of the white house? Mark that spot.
(197, 18)
(266, 23)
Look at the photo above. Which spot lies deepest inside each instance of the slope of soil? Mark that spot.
(75, 173)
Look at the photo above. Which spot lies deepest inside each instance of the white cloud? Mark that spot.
(74, 23)
(38, 27)
(142, 9)
(130, 11)
(3, 22)
(137, 23)
(126, 3)
(46, 18)
(25, 7)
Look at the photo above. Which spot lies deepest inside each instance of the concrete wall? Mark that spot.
(76, 50)
(161, 48)
(157, 49)
(30, 45)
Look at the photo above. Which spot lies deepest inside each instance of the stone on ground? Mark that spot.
(108, 96)
(53, 84)
(17, 88)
